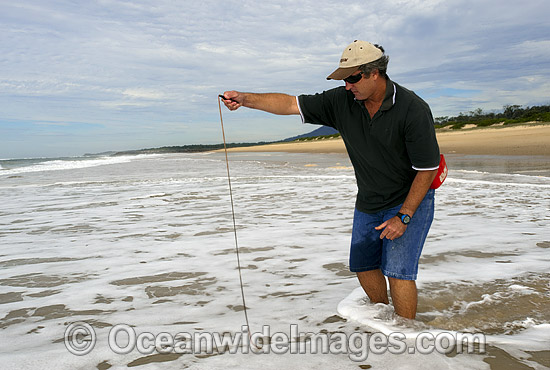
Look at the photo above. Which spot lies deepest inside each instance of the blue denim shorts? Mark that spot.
(396, 258)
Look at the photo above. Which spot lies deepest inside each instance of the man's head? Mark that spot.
(360, 55)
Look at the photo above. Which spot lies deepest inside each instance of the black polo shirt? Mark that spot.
(387, 150)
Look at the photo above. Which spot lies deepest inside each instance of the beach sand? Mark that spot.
(501, 140)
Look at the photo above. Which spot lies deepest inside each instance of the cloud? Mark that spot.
(134, 65)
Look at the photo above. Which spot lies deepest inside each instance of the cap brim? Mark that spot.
(342, 73)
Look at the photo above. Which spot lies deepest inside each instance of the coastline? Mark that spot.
(500, 140)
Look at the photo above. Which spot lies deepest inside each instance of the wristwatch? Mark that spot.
(404, 218)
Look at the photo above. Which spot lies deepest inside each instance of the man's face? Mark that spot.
(363, 88)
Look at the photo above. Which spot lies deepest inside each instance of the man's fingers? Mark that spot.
(380, 227)
(227, 99)
(391, 230)
(230, 95)
(385, 230)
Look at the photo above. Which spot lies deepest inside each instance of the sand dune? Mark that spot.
(501, 140)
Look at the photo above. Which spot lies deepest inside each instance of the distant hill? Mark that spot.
(321, 131)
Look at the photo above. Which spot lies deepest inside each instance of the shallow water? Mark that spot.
(148, 241)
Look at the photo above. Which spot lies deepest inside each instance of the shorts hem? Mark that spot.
(363, 269)
(399, 276)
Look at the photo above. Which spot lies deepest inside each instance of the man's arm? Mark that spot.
(275, 103)
(394, 228)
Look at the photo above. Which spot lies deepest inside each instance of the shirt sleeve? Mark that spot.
(421, 141)
(319, 109)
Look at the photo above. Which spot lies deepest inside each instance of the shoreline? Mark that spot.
(501, 140)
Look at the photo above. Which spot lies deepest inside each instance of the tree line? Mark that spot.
(509, 114)
(193, 148)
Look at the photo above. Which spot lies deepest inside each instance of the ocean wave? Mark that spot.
(496, 183)
(518, 174)
(67, 164)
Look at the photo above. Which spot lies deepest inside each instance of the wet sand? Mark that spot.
(501, 140)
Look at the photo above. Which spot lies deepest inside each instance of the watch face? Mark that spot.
(404, 218)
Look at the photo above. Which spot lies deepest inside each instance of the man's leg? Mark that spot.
(400, 257)
(374, 284)
(404, 297)
(403, 292)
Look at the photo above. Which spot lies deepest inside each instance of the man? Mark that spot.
(390, 138)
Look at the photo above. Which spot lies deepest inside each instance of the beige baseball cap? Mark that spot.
(355, 54)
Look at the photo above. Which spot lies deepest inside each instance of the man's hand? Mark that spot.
(232, 99)
(392, 229)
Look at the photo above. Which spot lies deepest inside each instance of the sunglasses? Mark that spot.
(353, 79)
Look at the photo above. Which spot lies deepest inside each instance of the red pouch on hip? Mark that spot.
(441, 173)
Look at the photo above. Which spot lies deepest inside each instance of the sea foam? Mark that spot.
(148, 241)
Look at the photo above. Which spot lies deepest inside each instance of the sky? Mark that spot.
(102, 75)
